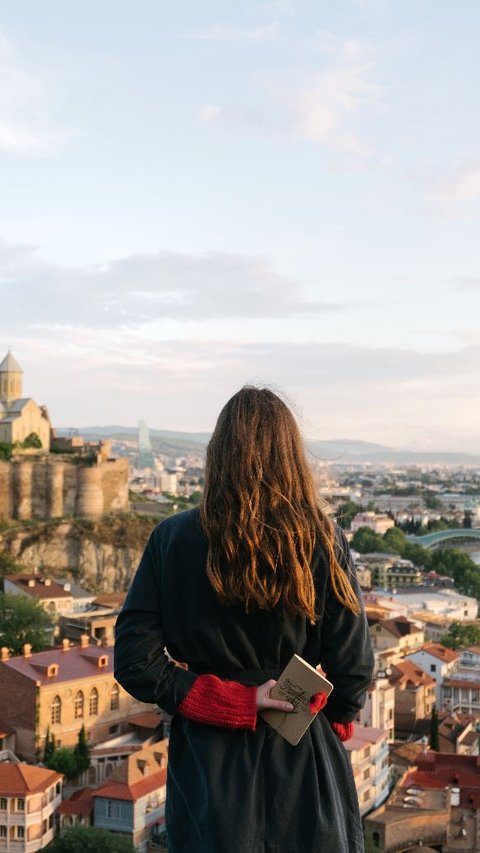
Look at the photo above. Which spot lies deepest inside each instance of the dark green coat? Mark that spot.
(237, 791)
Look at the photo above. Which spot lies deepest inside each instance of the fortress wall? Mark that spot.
(114, 477)
(89, 491)
(40, 497)
(22, 489)
(50, 487)
(6, 508)
(69, 489)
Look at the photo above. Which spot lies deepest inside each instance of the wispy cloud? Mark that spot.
(320, 106)
(222, 33)
(27, 124)
(466, 283)
(456, 186)
(143, 288)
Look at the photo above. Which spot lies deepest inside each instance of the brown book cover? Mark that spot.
(297, 684)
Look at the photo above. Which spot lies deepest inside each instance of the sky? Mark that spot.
(195, 196)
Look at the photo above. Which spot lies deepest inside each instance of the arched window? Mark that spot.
(56, 715)
(376, 839)
(115, 698)
(93, 707)
(79, 705)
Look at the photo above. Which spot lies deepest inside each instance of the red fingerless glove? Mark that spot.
(343, 730)
(220, 703)
(317, 702)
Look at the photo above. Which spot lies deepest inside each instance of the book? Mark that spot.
(297, 684)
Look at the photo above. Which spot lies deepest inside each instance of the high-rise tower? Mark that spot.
(10, 379)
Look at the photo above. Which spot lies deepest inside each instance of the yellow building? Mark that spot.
(60, 690)
(20, 417)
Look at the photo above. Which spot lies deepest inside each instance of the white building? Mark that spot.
(368, 754)
(377, 523)
(437, 661)
(29, 797)
(379, 709)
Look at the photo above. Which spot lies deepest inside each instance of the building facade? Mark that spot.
(60, 690)
(29, 797)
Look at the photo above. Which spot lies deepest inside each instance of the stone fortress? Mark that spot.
(52, 477)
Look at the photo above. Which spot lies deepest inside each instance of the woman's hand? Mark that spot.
(264, 702)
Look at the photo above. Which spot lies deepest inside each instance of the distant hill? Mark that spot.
(341, 450)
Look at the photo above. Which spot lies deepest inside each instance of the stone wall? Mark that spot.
(54, 486)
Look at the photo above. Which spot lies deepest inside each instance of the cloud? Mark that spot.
(343, 390)
(143, 288)
(466, 283)
(458, 185)
(321, 106)
(26, 123)
(220, 33)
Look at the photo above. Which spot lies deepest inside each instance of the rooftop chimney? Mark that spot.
(5, 653)
(27, 650)
(65, 645)
(84, 641)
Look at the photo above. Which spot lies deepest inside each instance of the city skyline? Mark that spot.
(199, 198)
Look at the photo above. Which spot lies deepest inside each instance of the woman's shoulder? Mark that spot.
(181, 525)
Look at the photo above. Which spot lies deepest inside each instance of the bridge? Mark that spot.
(442, 537)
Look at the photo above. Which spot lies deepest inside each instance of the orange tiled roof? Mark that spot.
(442, 652)
(80, 803)
(17, 780)
(406, 671)
(123, 791)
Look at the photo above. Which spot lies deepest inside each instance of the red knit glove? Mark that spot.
(220, 703)
(344, 730)
(317, 702)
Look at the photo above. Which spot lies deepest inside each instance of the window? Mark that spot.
(115, 698)
(20, 832)
(366, 773)
(20, 804)
(376, 839)
(56, 714)
(79, 705)
(3, 831)
(114, 730)
(93, 707)
(3, 804)
(433, 667)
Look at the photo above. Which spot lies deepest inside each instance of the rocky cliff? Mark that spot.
(100, 555)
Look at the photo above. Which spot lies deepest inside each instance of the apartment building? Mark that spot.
(54, 598)
(29, 797)
(398, 635)
(132, 801)
(414, 696)
(368, 754)
(379, 709)
(61, 689)
(439, 661)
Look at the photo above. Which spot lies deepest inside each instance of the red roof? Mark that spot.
(439, 651)
(80, 803)
(442, 769)
(123, 791)
(19, 780)
(462, 682)
(407, 672)
(39, 589)
(147, 720)
(75, 662)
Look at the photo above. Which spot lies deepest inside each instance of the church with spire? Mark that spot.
(20, 417)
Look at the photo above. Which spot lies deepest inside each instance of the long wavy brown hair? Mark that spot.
(260, 512)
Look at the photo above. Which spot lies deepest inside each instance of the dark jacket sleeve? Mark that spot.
(346, 653)
(140, 663)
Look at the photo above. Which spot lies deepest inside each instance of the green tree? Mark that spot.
(32, 440)
(49, 747)
(434, 735)
(418, 555)
(346, 512)
(6, 450)
(395, 539)
(365, 541)
(87, 839)
(461, 636)
(64, 760)
(22, 621)
(459, 566)
(82, 752)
